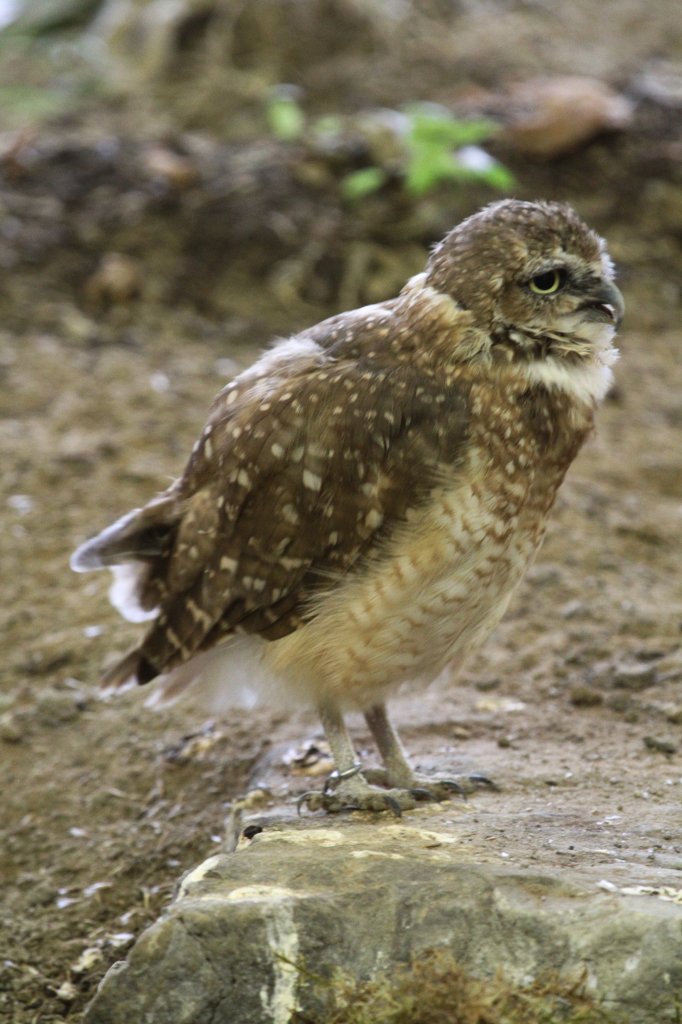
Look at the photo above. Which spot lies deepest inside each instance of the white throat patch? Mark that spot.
(585, 382)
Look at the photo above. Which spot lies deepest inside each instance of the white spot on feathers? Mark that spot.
(311, 480)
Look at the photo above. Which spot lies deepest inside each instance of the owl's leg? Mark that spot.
(340, 743)
(347, 788)
(397, 769)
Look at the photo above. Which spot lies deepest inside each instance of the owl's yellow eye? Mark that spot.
(548, 282)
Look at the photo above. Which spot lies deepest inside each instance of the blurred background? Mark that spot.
(181, 180)
(314, 147)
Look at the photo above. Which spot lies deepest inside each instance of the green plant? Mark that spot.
(435, 147)
(283, 113)
(436, 143)
(438, 148)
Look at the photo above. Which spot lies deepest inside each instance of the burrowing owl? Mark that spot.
(365, 498)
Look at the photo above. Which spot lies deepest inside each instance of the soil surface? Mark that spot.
(574, 706)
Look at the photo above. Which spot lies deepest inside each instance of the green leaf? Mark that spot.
(499, 177)
(328, 124)
(431, 167)
(285, 117)
(362, 183)
(429, 126)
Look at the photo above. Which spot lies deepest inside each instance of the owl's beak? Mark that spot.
(607, 303)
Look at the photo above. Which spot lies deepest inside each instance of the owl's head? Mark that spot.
(534, 277)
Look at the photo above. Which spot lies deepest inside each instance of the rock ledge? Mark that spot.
(364, 894)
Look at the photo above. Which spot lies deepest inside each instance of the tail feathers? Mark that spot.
(140, 535)
(132, 670)
(226, 677)
(133, 593)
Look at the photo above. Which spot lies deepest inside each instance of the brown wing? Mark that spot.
(285, 489)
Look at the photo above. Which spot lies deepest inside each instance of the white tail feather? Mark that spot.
(124, 591)
(231, 675)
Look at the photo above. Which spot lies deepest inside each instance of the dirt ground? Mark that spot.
(574, 706)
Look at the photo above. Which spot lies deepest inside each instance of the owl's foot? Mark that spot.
(352, 791)
(437, 788)
(395, 788)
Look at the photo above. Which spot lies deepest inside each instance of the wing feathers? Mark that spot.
(287, 488)
(139, 536)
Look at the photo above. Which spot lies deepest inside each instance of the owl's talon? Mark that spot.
(421, 793)
(393, 805)
(436, 790)
(452, 785)
(312, 799)
(443, 789)
(478, 779)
